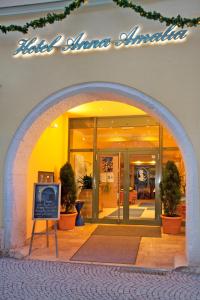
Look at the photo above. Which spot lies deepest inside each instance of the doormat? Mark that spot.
(109, 249)
(147, 204)
(128, 230)
(133, 213)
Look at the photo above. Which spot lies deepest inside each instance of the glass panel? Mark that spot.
(128, 137)
(175, 155)
(108, 186)
(168, 139)
(81, 133)
(127, 121)
(81, 123)
(142, 174)
(121, 191)
(82, 163)
(81, 138)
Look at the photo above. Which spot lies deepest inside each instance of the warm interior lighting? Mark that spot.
(126, 128)
(138, 162)
(117, 139)
(152, 162)
(149, 138)
(108, 108)
(54, 125)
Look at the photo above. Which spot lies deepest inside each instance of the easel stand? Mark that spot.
(47, 235)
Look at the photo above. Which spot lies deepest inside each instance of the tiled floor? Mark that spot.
(148, 211)
(165, 252)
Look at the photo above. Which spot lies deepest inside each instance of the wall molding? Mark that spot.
(1, 238)
(50, 5)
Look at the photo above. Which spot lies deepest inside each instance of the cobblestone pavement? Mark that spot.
(27, 279)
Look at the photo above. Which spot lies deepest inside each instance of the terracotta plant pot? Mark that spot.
(171, 225)
(67, 221)
(181, 210)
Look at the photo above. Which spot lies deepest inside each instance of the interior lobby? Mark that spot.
(121, 147)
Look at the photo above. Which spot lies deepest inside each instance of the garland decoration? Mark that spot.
(53, 17)
(42, 22)
(178, 21)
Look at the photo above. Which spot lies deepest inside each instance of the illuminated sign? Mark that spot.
(80, 43)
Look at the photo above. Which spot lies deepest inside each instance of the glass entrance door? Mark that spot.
(128, 187)
(109, 184)
(143, 196)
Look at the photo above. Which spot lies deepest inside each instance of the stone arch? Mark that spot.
(51, 107)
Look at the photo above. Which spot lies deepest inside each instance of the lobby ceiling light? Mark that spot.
(152, 162)
(128, 127)
(139, 162)
(117, 139)
(54, 125)
(149, 138)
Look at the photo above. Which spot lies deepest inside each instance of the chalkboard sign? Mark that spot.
(46, 201)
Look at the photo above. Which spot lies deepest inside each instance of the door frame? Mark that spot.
(125, 219)
(96, 173)
(158, 206)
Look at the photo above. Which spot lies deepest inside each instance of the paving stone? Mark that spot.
(35, 280)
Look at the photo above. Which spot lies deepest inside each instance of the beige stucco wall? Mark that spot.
(167, 73)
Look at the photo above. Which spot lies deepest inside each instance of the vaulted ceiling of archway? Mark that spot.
(104, 108)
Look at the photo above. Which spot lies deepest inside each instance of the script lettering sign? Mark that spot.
(80, 43)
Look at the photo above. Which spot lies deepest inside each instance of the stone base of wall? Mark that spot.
(1, 238)
(11, 253)
(14, 253)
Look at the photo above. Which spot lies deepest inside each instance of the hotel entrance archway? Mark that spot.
(54, 105)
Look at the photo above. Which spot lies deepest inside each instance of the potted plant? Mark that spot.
(86, 195)
(86, 182)
(170, 192)
(181, 207)
(68, 198)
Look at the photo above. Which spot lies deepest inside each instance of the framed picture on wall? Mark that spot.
(45, 177)
(107, 163)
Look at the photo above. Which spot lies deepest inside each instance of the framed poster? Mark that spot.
(144, 178)
(46, 201)
(107, 163)
(44, 176)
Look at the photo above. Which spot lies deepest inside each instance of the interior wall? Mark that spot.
(49, 154)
